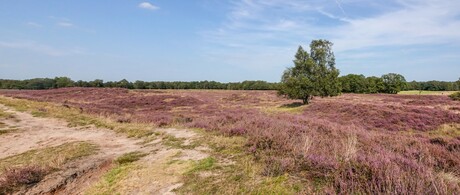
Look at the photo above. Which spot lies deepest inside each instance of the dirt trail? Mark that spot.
(75, 177)
(35, 133)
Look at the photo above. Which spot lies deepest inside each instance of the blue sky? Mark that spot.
(234, 40)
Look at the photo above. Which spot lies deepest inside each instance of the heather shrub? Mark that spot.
(455, 96)
(14, 178)
(352, 144)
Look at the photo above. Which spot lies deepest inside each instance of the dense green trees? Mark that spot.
(393, 83)
(62, 82)
(58, 82)
(354, 83)
(433, 86)
(388, 83)
(313, 74)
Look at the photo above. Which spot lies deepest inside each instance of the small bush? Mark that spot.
(455, 96)
(14, 178)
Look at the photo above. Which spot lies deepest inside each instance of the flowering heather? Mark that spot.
(351, 144)
(17, 177)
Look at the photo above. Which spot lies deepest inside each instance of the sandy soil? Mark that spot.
(77, 176)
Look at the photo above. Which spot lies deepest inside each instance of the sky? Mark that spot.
(225, 40)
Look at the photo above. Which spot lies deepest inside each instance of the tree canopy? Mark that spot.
(313, 74)
(393, 83)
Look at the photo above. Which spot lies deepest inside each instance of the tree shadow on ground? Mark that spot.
(292, 105)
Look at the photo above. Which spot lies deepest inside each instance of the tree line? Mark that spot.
(351, 83)
(354, 83)
(61, 82)
(314, 74)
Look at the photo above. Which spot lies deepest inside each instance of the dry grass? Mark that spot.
(141, 176)
(5, 115)
(75, 117)
(4, 128)
(417, 92)
(231, 170)
(52, 157)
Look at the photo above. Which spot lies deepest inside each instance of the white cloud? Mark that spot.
(266, 33)
(285, 22)
(41, 48)
(147, 5)
(65, 24)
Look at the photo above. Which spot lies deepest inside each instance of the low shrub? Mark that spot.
(455, 96)
(14, 178)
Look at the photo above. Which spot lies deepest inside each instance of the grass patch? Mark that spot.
(455, 96)
(179, 143)
(135, 177)
(240, 174)
(417, 92)
(8, 130)
(109, 182)
(5, 115)
(129, 157)
(75, 118)
(203, 165)
(294, 108)
(52, 157)
(447, 130)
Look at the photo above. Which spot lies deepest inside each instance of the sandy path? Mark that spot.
(37, 133)
(156, 176)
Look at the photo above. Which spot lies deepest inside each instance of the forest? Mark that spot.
(351, 83)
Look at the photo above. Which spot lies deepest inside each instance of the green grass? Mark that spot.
(243, 175)
(416, 92)
(52, 157)
(108, 184)
(75, 118)
(129, 157)
(179, 143)
(203, 165)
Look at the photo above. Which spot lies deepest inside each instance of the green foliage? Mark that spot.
(374, 84)
(353, 83)
(455, 96)
(393, 83)
(130, 157)
(203, 165)
(313, 74)
(433, 86)
(458, 84)
(63, 82)
(46, 83)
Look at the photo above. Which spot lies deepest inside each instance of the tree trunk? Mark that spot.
(306, 100)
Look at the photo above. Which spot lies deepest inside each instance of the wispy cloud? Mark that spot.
(257, 24)
(33, 24)
(41, 48)
(416, 22)
(147, 5)
(65, 24)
